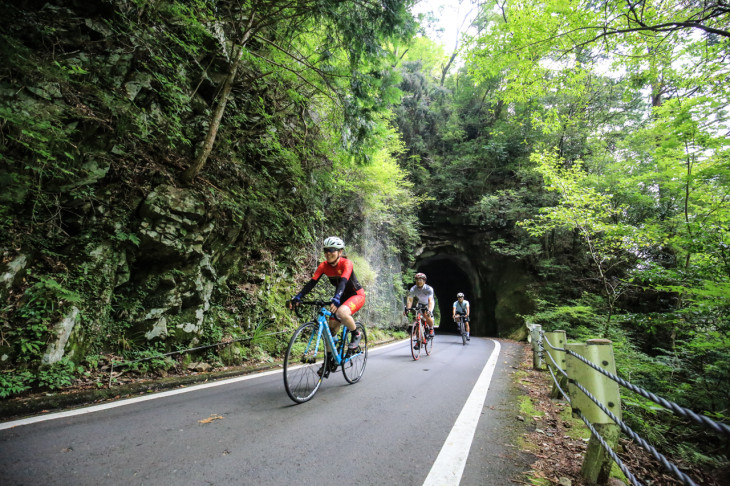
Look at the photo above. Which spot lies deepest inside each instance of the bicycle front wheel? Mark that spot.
(463, 334)
(304, 363)
(429, 342)
(416, 338)
(355, 360)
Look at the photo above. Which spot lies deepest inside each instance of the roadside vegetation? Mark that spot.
(168, 169)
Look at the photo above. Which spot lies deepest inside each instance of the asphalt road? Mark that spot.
(406, 423)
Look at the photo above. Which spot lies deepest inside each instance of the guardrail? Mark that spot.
(120, 364)
(588, 372)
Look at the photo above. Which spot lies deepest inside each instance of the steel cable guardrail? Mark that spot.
(685, 412)
(561, 370)
(542, 335)
(181, 351)
(641, 441)
(611, 452)
(627, 472)
(718, 427)
(557, 384)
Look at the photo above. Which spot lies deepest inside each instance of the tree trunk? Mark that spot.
(445, 69)
(192, 171)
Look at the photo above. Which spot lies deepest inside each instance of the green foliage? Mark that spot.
(575, 315)
(101, 106)
(146, 360)
(645, 186)
(43, 302)
(14, 382)
(131, 237)
(57, 375)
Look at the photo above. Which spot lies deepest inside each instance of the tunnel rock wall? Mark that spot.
(457, 257)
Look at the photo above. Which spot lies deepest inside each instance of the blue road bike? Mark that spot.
(313, 354)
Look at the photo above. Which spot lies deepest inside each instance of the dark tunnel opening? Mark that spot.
(448, 277)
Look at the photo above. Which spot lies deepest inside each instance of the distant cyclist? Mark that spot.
(349, 295)
(424, 293)
(461, 307)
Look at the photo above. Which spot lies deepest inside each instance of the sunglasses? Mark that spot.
(330, 250)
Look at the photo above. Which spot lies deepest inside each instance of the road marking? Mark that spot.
(151, 396)
(450, 463)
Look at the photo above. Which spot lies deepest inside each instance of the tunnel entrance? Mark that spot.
(451, 274)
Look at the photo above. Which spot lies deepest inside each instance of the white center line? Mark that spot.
(450, 463)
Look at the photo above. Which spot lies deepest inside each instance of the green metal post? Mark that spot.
(597, 463)
(535, 340)
(556, 359)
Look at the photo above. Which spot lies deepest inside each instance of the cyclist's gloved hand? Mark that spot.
(336, 301)
(406, 310)
(296, 299)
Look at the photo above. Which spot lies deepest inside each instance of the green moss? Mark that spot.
(527, 408)
(617, 474)
(577, 429)
(521, 377)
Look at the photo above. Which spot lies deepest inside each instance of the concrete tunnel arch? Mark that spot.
(450, 274)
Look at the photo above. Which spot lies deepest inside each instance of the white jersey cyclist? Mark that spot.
(425, 295)
(421, 293)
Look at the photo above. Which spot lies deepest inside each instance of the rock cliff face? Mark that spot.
(155, 278)
(457, 257)
(173, 264)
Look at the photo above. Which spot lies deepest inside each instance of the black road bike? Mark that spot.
(461, 322)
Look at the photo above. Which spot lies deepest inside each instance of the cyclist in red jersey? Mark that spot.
(349, 295)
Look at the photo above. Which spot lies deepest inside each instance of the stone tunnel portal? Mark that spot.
(451, 274)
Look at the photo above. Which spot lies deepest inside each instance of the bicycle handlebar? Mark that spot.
(418, 307)
(318, 303)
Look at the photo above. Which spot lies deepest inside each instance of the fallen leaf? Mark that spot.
(210, 419)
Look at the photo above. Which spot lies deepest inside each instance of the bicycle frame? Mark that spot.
(419, 332)
(313, 353)
(341, 356)
(420, 316)
(461, 323)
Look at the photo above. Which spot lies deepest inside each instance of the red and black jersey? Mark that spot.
(342, 276)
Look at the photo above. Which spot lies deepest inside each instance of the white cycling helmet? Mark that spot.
(334, 242)
(460, 294)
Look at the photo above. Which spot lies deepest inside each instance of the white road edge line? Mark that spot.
(151, 396)
(450, 463)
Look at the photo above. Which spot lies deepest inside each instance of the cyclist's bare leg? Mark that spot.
(429, 322)
(344, 314)
(334, 326)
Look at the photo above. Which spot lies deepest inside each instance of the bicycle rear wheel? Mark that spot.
(355, 360)
(305, 357)
(416, 338)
